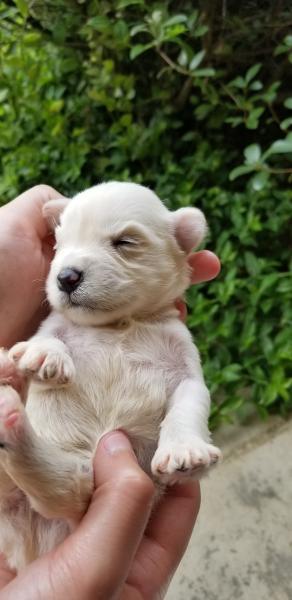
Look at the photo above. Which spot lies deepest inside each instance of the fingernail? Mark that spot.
(116, 442)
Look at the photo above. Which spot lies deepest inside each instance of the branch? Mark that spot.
(172, 64)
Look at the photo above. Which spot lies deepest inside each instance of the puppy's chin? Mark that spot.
(85, 314)
(90, 318)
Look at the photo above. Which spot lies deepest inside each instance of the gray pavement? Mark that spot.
(241, 548)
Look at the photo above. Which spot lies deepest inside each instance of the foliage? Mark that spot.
(192, 99)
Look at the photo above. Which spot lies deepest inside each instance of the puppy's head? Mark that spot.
(119, 253)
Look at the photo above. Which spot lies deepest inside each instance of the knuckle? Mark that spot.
(45, 191)
(138, 484)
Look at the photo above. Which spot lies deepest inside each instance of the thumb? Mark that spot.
(27, 208)
(107, 538)
(93, 562)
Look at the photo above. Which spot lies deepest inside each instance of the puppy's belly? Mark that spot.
(115, 395)
(24, 534)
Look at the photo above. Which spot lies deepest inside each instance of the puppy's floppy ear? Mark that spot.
(190, 228)
(52, 211)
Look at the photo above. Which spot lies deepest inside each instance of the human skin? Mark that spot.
(116, 550)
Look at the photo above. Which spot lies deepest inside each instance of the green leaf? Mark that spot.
(270, 94)
(120, 30)
(268, 282)
(202, 111)
(182, 58)
(157, 16)
(252, 72)
(281, 146)
(286, 123)
(232, 372)
(196, 60)
(22, 7)
(56, 106)
(253, 117)
(251, 263)
(209, 72)
(173, 32)
(231, 405)
(252, 122)
(288, 103)
(238, 82)
(32, 37)
(193, 19)
(175, 20)
(201, 30)
(234, 121)
(101, 24)
(288, 41)
(252, 153)
(137, 29)
(242, 170)
(126, 3)
(260, 180)
(3, 94)
(255, 86)
(139, 49)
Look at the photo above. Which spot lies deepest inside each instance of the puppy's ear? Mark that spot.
(52, 211)
(190, 228)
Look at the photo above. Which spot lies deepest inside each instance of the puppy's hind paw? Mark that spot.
(12, 416)
(178, 461)
(10, 375)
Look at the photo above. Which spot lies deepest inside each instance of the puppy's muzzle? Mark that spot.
(69, 279)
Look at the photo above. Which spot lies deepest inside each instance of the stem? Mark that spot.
(226, 90)
(224, 9)
(277, 171)
(274, 114)
(172, 64)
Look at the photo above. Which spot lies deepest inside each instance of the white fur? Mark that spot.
(116, 356)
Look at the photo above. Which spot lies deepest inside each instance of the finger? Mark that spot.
(165, 528)
(6, 574)
(181, 307)
(205, 266)
(29, 206)
(105, 542)
(166, 539)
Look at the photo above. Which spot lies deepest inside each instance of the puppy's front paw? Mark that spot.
(178, 461)
(44, 361)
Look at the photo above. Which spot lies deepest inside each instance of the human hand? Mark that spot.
(26, 250)
(116, 551)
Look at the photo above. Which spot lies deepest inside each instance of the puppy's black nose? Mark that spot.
(69, 279)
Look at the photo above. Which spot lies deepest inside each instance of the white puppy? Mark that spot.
(112, 354)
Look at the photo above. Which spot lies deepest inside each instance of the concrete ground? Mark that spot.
(241, 548)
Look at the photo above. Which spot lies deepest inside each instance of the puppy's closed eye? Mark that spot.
(124, 243)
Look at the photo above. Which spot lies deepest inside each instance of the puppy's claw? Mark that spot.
(176, 462)
(44, 361)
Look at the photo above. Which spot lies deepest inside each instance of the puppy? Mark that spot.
(112, 354)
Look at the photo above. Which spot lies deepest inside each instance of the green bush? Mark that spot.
(193, 100)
